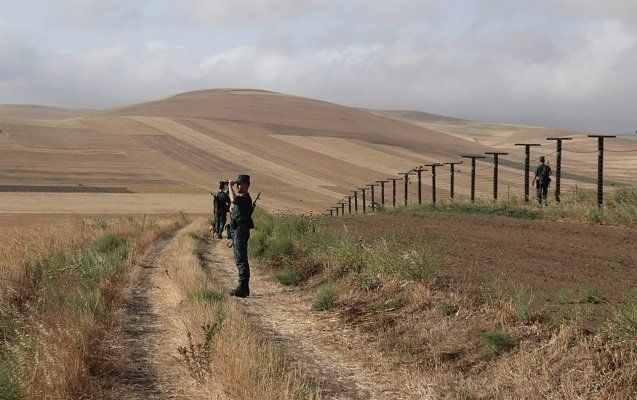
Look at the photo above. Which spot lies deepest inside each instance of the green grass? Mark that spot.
(108, 242)
(482, 208)
(522, 298)
(623, 323)
(9, 378)
(496, 342)
(564, 296)
(590, 294)
(207, 295)
(326, 297)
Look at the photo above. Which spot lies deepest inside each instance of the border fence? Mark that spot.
(498, 175)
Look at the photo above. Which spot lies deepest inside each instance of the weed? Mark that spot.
(590, 294)
(522, 298)
(211, 296)
(623, 324)
(199, 251)
(447, 306)
(326, 297)
(496, 342)
(197, 356)
(9, 378)
(198, 236)
(394, 301)
(367, 282)
(291, 276)
(109, 242)
(565, 296)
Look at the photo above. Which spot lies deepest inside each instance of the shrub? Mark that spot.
(496, 342)
(291, 276)
(326, 296)
(109, 242)
(447, 306)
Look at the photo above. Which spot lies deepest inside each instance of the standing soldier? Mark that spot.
(240, 225)
(542, 179)
(221, 205)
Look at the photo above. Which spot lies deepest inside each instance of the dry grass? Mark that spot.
(466, 341)
(60, 286)
(237, 360)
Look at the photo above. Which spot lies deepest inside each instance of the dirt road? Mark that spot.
(343, 360)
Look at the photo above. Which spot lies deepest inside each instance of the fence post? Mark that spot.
(433, 180)
(558, 166)
(349, 204)
(527, 162)
(393, 191)
(356, 201)
(382, 192)
(473, 175)
(406, 178)
(364, 201)
(342, 203)
(600, 166)
(373, 198)
(331, 212)
(495, 155)
(336, 209)
(452, 172)
(419, 170)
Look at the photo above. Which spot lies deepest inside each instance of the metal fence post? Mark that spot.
(452, 172)
(495, 155)
(558, 166)
(406, 178)
(600, 166)
(356, 201)
(349, 204)
(433, 180)
(364, 201)
(419, 172)
(393, 191)
(342, 203)
(382, 192)
(373, 198)
(527, 162)
(473, 175)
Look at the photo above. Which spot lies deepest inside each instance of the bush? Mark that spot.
(496, 342)
(447, 306)
(109, 242)
(326, 296)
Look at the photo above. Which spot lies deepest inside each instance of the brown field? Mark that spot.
(303, 154)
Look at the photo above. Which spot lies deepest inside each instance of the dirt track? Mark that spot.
(343, 360)
(139, 378)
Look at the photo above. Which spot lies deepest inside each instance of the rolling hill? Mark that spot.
(165, 155)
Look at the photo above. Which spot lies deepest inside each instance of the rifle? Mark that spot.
(254, 205)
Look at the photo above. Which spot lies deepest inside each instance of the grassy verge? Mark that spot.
(219, 350)
(470, 341)
(59, 290)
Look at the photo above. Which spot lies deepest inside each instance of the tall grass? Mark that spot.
(59, 287)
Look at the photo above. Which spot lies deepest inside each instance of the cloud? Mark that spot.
(489, 64)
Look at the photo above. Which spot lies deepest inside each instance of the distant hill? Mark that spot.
(303, 154)
(31, 111)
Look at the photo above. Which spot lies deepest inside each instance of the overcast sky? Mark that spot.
(557, 63)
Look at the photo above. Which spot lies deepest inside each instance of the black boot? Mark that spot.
(242, 290)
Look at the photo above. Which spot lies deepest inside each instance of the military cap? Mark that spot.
(243, 178)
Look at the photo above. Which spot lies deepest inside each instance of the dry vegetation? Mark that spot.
(466, 341)
(60, 286)
(210, 341)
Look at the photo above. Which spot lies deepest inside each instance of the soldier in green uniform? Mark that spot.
(222, 206)
(543, 180)
(240, 224)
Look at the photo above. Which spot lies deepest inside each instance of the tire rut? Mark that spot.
(139, 378)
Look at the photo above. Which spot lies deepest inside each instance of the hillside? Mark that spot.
(303, 154)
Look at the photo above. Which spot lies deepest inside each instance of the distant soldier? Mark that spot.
(240, 225)
(542, 180)
(222, 206)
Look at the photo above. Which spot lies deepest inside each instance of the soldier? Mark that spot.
(240, 225)
(542, 179)
(222, 206)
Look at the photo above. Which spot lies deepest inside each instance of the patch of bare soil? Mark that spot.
(346, 362)
(138, 377)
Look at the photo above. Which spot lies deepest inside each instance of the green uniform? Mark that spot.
(222, 205)
(241, 218)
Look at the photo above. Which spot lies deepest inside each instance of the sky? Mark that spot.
(557, 63)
